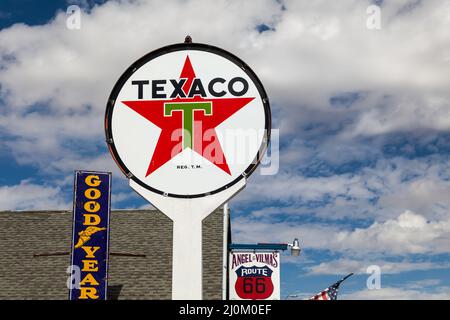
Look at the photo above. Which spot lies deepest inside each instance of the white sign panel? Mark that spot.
(254, 275)
(187, 121)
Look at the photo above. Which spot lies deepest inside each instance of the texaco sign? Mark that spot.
(188, 120)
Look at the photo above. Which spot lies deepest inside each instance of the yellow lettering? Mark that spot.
(88, 293)
(92, 206)
(92, 193)
(90, 265)
(89, 279)
(92, 180)
(90, 251)
(91, 219)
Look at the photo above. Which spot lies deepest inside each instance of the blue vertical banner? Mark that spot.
(90, 235)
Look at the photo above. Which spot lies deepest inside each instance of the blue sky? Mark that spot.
(363, 118)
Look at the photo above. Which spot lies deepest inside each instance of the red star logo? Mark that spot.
(194, 119)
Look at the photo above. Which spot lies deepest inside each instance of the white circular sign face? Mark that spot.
(188, 120)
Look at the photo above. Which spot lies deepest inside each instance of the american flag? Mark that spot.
(331, 292)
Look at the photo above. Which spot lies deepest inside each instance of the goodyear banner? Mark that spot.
(90, 237)
(254, 275)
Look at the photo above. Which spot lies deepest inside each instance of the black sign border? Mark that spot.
(180, 47)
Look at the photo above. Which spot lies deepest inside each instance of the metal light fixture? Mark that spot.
(295, 248)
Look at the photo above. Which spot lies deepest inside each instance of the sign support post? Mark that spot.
(187, 235)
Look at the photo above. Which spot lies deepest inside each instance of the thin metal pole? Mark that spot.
(226, 215)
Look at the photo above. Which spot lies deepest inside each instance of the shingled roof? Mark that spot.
(140, 232)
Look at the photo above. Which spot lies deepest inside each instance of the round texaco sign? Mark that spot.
(188, 120)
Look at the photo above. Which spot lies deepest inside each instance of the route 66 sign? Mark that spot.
(254, 276)
(187, 121)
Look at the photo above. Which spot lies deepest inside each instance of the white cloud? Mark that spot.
(29, 196)
(421, 195)
(127, 195)
(390, 293)
(378, 192)
(420, 284)
(287, 186)
(409, 233)
(343, 266)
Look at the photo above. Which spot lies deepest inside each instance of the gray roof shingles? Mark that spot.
(148, 232)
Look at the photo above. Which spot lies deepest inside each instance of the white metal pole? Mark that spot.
(187, 266)
(226, 215)
(187, 216)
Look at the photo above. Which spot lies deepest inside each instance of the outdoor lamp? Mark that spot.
(295, 248)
